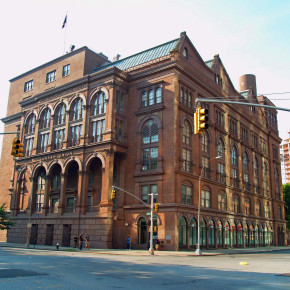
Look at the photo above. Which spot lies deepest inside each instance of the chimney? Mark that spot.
(117, 57)
(248, 82)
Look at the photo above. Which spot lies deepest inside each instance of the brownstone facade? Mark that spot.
(88, 124)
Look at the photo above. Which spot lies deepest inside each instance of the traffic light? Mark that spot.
(156, 207)
(17, 148)
(200, 120)
(113, 195)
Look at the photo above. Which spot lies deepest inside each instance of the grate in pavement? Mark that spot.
(13, 273)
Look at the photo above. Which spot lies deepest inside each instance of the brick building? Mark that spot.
(88, 123)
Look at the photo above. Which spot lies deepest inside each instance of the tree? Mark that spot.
(286, 194)
(5, 222)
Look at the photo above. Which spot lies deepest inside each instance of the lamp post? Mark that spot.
(198, 251)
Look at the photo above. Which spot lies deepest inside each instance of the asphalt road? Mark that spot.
(40, 269)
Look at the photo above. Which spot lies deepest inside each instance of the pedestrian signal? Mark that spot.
(17, 148)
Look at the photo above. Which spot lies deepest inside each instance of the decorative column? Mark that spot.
(45, 208)
(84, 130)
(61, 206)
(65, 141)
(35, 142)
(80, 193)
(84, 189)
(50, 145)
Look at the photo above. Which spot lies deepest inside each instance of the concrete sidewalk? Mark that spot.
(213, 252)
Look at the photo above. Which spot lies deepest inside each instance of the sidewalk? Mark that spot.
(213, 252)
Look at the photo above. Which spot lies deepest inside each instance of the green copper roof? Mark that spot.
(141, 57)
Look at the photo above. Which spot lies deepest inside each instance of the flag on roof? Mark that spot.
(64, 22)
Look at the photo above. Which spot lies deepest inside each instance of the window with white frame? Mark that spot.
(222, 201)
(28, 86)
(151, 96)
(186, 194)
(66, 70)
(205, 200)
(146, 190)
(50, 77)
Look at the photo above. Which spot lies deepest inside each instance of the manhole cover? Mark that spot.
(12, 273)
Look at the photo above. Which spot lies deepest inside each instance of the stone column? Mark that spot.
(45, 208)
(80, 193)
(61, 206)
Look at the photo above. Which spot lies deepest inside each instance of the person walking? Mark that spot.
(81, 242)
(76, 239)
(87, 244)
(128, 242)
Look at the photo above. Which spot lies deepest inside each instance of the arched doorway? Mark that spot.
(182, 233)
(211, 236)
(142, 231)
(71, 186)
(227, 236)
(193, 233)
(55, 185)
(203, 233)
(240, 235)
(219, 234)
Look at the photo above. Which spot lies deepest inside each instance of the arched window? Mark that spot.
(39, 190)
(142, 231)
(247, 206)
(221, 162)
(149, 145)
(246, 171)
(44, 130)
(265, 178)
(186, 150)
(76, 124)
(222, 201)
(59, 126)
(267, 210)
(193, 232)
(77, 109)
(29, 135)
(235, 167)
(186, 194)
(256, 175)
(60, 114)
(182, 232)
(45, 119)
(258, 208)
(205, 200)
(277, 181)
(99, 104)
(236, 203)
(205, 154)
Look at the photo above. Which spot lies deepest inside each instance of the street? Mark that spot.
(42, 269)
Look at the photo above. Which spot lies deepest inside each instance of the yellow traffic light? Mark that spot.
(113, 195)
(156, 207)
(200, 120)
(17, 148)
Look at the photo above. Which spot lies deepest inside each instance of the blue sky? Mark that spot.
(250, 36)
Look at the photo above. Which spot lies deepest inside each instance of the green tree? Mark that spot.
(5, 222)
(286, 194)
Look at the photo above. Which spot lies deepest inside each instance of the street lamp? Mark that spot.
(198, 251)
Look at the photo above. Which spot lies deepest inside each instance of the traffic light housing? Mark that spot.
(17, 148)
(200, 120)
(113, 195)
(156, 207)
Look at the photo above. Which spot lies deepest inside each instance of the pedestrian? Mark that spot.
(81, 242)
(128, 242)
(76, 239)
(87, 244)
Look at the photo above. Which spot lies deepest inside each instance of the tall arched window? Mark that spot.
(182, 232)
(149, 145)
(142, 231)
(256, 175)
(219, 234)
(235, 167)
(205, 154)
(44, 130)
(211, 237)
(227, 236)
(76, 121)
(39, 190)
(59, 126)
(203, 232)
(277, 182)
(29, 135)
(221, 162)
(193, 232)
(186, 150)
(98, 117)
(265, 179)
(246, 172)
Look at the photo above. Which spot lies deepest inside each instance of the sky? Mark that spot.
(251, 36)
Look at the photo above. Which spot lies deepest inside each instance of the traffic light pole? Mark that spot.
(151, 249)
